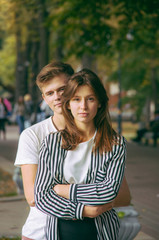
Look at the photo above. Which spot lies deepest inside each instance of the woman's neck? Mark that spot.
(88, 131)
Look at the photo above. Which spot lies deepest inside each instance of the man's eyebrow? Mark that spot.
(49, 91)
(57, 89)
(61, 87)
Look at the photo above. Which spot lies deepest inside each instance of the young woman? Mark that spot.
(3, 117)
(81, 165)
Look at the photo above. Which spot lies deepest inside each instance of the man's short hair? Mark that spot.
(51, 70)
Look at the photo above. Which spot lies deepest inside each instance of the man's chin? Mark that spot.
(57, 111)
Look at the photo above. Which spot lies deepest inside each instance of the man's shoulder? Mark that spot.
(41, 128)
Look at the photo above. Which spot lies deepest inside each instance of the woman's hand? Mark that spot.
(94, 211)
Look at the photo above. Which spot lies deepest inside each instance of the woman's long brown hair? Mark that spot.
(72, 136)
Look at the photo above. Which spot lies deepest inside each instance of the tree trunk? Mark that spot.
(27, 55)
(20, 83)
(43, 34)
(88, 61)
(155, 89)
(34, 72)
(59, 47)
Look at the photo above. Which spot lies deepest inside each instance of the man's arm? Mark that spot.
(28, 176)
(124, 197)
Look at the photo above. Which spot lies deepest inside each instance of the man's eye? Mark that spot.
(50, 93)
(62, 89)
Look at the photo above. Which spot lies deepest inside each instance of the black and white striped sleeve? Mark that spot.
(46, 199)
(106, 190)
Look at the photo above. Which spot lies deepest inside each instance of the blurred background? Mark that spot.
(119, 40)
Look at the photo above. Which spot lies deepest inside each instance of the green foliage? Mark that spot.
(103, 29)
(7, 60)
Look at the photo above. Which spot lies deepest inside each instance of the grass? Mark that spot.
(128, 129)
(7, 185)
(6, 238)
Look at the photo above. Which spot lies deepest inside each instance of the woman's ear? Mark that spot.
(99, 105)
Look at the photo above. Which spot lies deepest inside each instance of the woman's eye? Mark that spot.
(75, 99)
(91, 99)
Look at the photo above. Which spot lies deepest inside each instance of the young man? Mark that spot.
(52, 81)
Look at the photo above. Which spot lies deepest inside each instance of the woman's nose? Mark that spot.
(83, 104)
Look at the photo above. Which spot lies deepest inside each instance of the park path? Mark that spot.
(142, 167)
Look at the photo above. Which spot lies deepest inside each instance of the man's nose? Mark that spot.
(57, 95)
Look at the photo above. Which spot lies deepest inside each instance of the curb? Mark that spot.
(13, 198)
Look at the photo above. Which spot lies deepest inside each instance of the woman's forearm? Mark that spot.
(123, 198)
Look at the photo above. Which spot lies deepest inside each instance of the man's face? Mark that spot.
(52, 92)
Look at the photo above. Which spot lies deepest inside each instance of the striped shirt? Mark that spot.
(101, 186)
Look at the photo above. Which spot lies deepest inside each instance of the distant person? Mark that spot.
(3, 118)
(28, 110)
(9, 109)
(153, 127)
(19, 111)
(46, 109)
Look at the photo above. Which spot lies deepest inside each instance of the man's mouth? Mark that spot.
(58, 105)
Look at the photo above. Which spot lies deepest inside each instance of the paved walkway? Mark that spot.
(142, 175)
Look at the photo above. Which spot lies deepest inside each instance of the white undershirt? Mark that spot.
(78, 161)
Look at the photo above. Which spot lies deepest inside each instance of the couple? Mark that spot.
(79, 157)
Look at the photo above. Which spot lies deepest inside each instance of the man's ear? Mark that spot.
(43, 96)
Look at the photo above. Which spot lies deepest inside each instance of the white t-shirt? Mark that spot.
(28, 153)
(77, 162)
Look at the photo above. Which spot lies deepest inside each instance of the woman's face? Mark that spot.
(84, 105)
